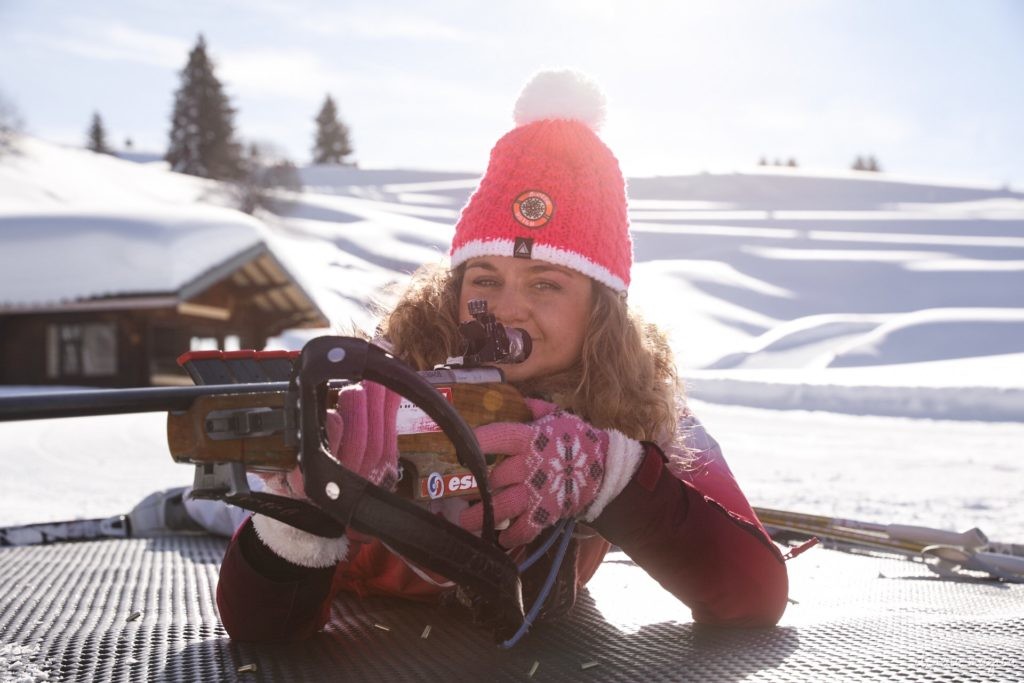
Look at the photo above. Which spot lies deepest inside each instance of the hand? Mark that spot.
(362, 435)
(555, 468)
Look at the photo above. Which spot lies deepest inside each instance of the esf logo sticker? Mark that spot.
(439, 485)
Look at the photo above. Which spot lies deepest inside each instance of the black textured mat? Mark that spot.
(144, 610)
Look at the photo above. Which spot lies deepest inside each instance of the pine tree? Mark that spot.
(97, 141)
(872, 164)
(858, 164)
(332, 136)
(202, 125)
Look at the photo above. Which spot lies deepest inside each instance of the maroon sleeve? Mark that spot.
(263, 597)
(718, 561)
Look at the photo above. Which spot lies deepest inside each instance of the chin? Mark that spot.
(518, 373)
(512, 374)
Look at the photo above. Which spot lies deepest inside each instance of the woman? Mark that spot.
(545, 241)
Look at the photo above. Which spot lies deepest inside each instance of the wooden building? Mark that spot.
(113, 301)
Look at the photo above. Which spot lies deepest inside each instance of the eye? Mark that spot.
(547, 285)
(485, 281)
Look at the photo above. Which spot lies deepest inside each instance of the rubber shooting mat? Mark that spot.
(145, 610)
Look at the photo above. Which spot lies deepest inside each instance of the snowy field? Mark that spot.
(951, 474)
(855, 341)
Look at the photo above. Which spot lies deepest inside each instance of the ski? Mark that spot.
(45, 533)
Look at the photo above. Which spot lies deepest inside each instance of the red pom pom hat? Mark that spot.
(553, 190)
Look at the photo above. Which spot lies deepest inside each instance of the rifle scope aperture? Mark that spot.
(488, 341)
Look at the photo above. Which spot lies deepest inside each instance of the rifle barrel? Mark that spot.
(75, 403)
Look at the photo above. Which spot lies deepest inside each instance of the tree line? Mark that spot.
(203, 141)
(861, 163)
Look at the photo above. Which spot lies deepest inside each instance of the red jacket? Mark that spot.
(687, 524)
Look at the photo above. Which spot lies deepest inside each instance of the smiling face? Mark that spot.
(551, 303)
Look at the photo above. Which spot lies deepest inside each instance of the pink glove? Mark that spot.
(362, 435)
(555, 468)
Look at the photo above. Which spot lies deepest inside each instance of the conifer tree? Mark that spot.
(202, 139)
(97, 141)
(858, 164)
(332, 143)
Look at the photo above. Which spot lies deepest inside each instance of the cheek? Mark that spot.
(577, 332)
(567, 327)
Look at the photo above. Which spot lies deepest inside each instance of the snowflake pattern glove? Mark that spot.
(558, 467)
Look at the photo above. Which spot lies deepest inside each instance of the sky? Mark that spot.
(931, 88)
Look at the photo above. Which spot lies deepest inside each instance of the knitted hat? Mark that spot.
(553, 191)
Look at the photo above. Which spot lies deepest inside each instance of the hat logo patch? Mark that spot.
(523, 247)
(533, 208)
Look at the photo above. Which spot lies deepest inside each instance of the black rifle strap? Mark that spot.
(296, 513)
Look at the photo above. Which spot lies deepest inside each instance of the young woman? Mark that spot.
(545, 241)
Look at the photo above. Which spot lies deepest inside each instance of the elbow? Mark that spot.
(248, 625)
(240, 625)
(757, 602)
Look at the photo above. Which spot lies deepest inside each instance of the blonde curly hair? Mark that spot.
(625, 378)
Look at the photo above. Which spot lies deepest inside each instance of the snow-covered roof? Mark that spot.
(52, 257)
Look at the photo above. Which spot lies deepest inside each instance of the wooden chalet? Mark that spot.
(132, 338)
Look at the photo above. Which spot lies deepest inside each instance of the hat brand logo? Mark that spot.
(533, 208)
(523, 247)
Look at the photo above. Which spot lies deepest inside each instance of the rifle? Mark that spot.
(226, 428)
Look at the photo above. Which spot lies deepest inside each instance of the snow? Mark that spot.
(855, 341)
(70, 254)
(63, 211)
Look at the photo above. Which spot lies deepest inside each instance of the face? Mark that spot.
(550, 302)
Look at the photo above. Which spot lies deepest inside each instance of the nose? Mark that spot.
(509, 306)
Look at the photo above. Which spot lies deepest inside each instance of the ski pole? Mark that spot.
(972, 538)
(949, 551)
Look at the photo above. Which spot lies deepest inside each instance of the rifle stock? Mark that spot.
(247, 429)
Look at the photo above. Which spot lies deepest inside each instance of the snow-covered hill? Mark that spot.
(780, 287)
(848, 292)
(912, 289)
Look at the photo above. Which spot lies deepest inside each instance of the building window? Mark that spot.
(81, 350)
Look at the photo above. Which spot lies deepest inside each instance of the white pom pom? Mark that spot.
(563, 94)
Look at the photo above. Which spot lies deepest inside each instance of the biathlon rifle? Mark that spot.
(253, 411)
